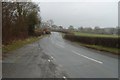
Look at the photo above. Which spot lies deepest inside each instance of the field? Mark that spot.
(95, 35)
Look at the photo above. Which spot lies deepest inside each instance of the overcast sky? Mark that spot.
(86, 14)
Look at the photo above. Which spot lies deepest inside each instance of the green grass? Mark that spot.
(19, 43)
(95, 35)
(102, 48)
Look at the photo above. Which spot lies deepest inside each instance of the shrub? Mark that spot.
(102, 41)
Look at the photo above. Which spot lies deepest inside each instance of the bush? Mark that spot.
(102, 41)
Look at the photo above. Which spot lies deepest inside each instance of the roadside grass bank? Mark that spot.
(102, 48)
(19, 43)
(105, 43)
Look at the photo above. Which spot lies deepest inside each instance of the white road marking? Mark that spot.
(60, 45)
(88, 57)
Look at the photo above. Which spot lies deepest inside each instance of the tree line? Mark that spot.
(19, 20)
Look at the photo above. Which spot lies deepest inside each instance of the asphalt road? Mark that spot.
(53, 56)
(30, 62)
(78, 61)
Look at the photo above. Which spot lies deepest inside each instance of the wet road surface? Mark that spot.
(30, 62)
(79, 62)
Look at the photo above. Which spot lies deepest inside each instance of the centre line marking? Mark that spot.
(88, 57)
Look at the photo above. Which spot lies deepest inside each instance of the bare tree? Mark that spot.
(50, 22)
(16, 19)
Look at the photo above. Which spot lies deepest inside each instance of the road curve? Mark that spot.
(39, 59)
(78, 61)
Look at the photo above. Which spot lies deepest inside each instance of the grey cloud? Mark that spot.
(104, 14)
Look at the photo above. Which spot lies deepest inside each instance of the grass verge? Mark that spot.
(101, 48)
(18, 44)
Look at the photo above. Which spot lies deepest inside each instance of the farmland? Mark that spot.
(95, 35)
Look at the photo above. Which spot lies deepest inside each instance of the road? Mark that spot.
(30, 62)
(80, 62)
(41, 58)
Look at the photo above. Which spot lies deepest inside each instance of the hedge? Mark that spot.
(102, 41)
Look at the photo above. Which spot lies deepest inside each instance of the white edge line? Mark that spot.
(88, 57)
